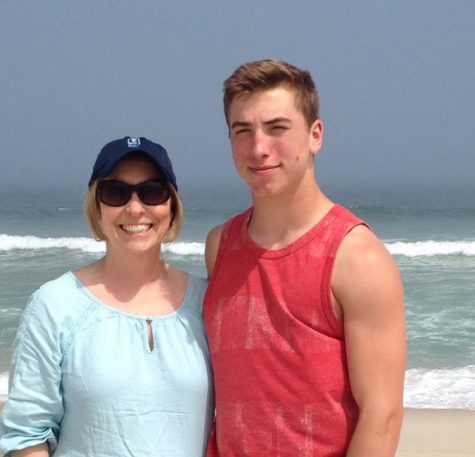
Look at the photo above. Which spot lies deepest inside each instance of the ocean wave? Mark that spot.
(84, 244)
(3, 386)
(426, 248)
(10, 242)
(431, 248)
(439, 388)
(185, 248)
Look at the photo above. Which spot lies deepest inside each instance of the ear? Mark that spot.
(316, 136)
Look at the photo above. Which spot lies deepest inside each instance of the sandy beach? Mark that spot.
(435, 433)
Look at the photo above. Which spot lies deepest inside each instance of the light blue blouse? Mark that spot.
(85, 379)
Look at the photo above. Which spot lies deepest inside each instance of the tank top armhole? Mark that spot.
(335, 322)
(228, 228)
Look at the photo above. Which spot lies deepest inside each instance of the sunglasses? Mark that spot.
(153, 192)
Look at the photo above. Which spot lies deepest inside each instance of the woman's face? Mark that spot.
(135, 227)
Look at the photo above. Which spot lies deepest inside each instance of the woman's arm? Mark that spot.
(33, 412)
(35, 451)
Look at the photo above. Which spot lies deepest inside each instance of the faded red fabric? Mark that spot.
(277, 346)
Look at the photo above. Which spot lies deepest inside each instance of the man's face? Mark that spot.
(273, 147)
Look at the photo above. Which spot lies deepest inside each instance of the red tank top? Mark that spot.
(277, 346)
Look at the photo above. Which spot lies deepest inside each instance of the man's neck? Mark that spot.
(277, 221)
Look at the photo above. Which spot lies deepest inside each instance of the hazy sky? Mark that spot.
(396, 81)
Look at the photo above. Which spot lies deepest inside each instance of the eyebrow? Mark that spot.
(276, 120)
(240, 124)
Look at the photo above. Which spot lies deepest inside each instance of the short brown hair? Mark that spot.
(93, 214)
(268, 74)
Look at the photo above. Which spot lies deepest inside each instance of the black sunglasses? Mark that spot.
(152, 192)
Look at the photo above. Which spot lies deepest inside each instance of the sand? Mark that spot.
(435, 433)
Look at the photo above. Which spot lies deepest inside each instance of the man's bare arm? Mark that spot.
(367, 286)
(211, 248)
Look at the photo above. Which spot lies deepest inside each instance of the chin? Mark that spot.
(267, 190)
(142, 247)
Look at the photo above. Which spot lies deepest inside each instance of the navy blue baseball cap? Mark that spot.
(116, 150)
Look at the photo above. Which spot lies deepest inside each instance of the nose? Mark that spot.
(260, 146)
(135, 207)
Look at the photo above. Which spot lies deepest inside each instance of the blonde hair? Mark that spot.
(92, 212)
(268, 74)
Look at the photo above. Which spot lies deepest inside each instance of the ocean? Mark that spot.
(431, 234)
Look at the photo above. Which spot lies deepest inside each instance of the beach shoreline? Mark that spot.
(434, 433)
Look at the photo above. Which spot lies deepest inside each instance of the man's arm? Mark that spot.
(211, 248)
(367, 288)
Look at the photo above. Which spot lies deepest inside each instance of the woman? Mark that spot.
(111, 360)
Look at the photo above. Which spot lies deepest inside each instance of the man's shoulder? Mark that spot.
(360, 240)
(213, 239)
(362, 251)
(216, 232)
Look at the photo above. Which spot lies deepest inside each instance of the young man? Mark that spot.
(304, 310)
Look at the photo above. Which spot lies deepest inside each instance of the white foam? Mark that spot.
(3, 387)
(10, 242)
(431, 248)
(185, 248)
(440, 388)
(426, 248)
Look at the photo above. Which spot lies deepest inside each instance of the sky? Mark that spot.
(396, 82)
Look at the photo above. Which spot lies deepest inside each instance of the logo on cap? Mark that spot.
(133, 142)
